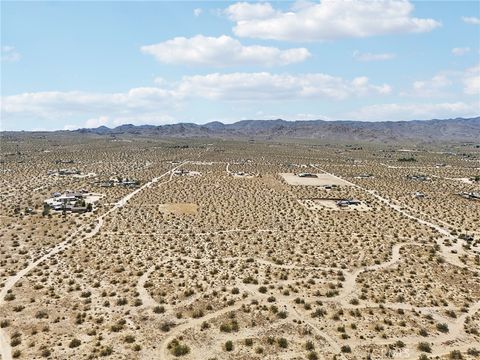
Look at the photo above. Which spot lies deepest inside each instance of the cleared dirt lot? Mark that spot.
(320, 180)
(179, 208)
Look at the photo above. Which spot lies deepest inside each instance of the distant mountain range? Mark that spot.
(458, 129)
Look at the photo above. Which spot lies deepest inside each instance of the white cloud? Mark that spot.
(135, 105)
(390, 112)
(70, 127)
(10, 54)
(460, 51)
(221, 51)
(267, 86)
(197, 12)
(431, 87)
(327, 20)
(77, 101)
(471, 20)
(471, 81)
(244, 11)
(260, 115)
(372, 57)
(446, 83)
(154, 105)
(96, 122)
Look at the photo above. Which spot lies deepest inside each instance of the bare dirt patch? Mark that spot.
(179, 208)
(319, 180)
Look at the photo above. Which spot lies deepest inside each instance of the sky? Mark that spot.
(68, 64)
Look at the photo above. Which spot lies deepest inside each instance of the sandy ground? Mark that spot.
(179, 208)
(320, 180)
(196, 253)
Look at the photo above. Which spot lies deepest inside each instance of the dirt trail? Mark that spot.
(456, 327)
(397, 206)
(350, 282)
(5, 349)
(144, 295)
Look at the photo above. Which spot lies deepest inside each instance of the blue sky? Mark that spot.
(67, 65)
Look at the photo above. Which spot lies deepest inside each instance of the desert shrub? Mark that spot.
(74, 343)
(106, 351)
(442, 328)
(46, 353)
(282, 314)
(178, 349)
(455, 355)
(320, 312)
(159, 309)
(423, 332)
(129, 339)
(229, 345)
(473, 352)
(4, 323)
(309, 345)
(283, 343)
(424, 346)
(197, 314)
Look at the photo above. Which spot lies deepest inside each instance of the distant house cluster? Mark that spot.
(119, 181)
(64, 172)
(329, 187)
(71, 201)
(470, 195)
(419, 195)
(243, 174)
(364, 176)
(184, 172)
(347, 202)
(64, 161)
(306, 175)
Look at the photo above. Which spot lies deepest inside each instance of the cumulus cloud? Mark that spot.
(244, 11)
(460, 51)
(372, 57)
(70, 127)
(75, 101)
(267, 86)
(197, 12)
(471, 81)
(431, 87)
(96, 122)
(135, 105)
(221, 51)
(446, 83)
(155, 105)
(10, 54)
(471, 20)
(327, 20)
(387, 112)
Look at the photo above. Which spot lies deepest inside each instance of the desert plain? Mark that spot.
(219, 249)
